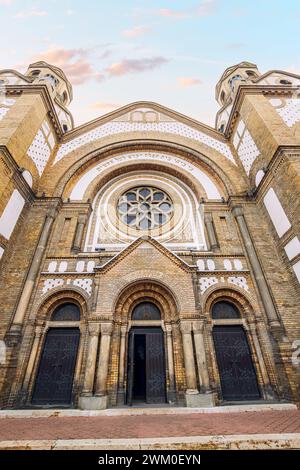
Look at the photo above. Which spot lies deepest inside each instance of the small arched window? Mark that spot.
(66, 312)
(285, 82)
(65, 128)
(146, 311)
(251, 74)
(223, 97)
(35, 73)
(224, 310)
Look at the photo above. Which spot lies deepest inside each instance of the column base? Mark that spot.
(199, 400)
(93, 403)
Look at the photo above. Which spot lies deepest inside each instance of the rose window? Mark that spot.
(145, 208)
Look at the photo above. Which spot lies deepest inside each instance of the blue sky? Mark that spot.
(171, 52)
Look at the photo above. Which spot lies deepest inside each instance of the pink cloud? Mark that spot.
(135, 65)
(30, 13)
(169, 13)
(136, 31)
(185, 82)
(205, 8)
(74, 62)
(105, 106)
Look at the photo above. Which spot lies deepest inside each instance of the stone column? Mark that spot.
(267, 386)
(15, 330)
(172, 386)
(121, 388)
(256, 267)
(79, 233)
(106, 331)
(208, 220)
(31, 362)
(200, 355)
(89, 378)
(188, 355)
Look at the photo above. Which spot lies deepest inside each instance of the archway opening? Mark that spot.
(54, 380)
(146, 375)
(233, 354)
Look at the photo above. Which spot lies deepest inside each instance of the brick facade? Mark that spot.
(64, 241)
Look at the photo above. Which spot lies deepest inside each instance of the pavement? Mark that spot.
(256, 427)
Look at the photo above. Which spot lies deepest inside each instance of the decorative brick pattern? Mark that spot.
(115, 127)
(248, 151)
(290, 112)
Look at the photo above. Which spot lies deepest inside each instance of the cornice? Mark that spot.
(254, 89)
(43, 91)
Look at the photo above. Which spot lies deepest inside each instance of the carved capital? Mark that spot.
(123, 330)
(169, 329)
(94, 329)
(208, 218)
(106, 329)
(198, 326)
(186, 328)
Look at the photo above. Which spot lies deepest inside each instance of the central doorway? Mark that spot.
(146, 377)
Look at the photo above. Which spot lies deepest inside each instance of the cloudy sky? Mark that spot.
(171, 52)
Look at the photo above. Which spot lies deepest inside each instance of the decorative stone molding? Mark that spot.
(115, 127)
(186, 328)
(94, 329)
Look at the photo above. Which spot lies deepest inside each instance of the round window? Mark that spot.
(145, 208)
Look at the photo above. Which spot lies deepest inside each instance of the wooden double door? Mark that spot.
(146, 374)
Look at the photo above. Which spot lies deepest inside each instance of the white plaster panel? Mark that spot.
(201, 265)
(227, 265)
(292, 248)
(39, 152)
(290, 112)
(248, 151)
(239, 282)
(85, 284)
(80, 266)
(28, 177)
(296, 268)
(116, 127)
(259, 176)
(206, 282)
(83, 183)
(90, 266)
(276, 213)
(51, 284)
(211, 265)
(63, 267)
(11, 214)
(52, 267)
(1, 251)
(238, 265)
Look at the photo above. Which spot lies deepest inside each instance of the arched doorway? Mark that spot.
(54, 379)
(233, 354)
(146, 375)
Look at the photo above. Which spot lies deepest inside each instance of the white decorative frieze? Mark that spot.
(39, 152)
(85, 180)
(239, 282)
(85, 284)
(41, 147)
(247, 151)
(116, 127)
(206, 282)
(288, 110)
(50, 284)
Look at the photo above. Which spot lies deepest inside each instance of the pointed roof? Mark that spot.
(152, 242)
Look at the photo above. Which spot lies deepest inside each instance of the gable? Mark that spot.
(145, 118)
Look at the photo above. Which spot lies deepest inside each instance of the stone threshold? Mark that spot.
(133, 411)
(221, 442)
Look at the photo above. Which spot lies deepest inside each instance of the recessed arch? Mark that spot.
(213, 170)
